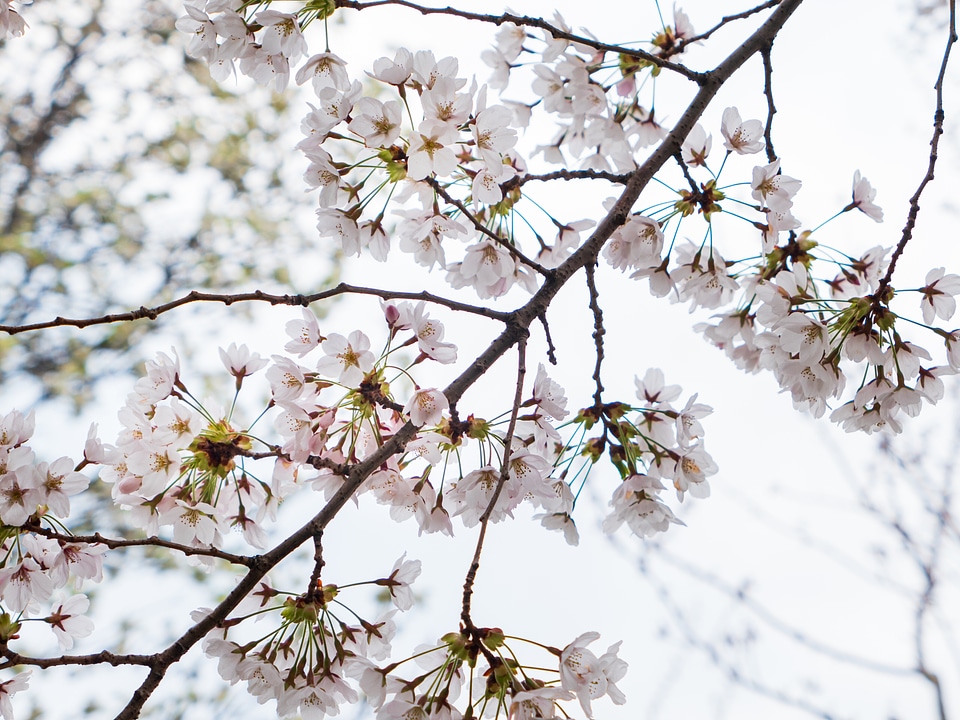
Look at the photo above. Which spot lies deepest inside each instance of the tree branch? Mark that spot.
(255, 296)
(938, 118)
(112, 543)
(516, 330)
(525, 21)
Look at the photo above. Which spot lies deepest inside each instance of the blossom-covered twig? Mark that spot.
(526, 21)
(502, 242)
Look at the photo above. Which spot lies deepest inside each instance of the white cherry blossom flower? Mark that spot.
(396, 71)
(16, 428)
(286, 378)
(652, 390)
(588, 676)
(938, 295)
(486, 187)
(743, 137)
(863, 195)
(487, 266)
(689, 428)
(430, 151)
(335, 223)
(804, 335)
(426, 407)
(548, 395)
(636, 502)
(429, 334)
(67, 620)
(196, 23)
(58, 482)
(19, 494)
(240, 362)
(471, 495)
(773, 190)
(265, 68)
(427, 69)
(562, 522)
(305, 333)
(399, 580)
(691, 471)
(697, 146)
(162, 376)
(324, 70)
(20, 681)
(281, 35)
(350, 359)
(443, 105)
(24, 583)
(538, 704)
(378, 123)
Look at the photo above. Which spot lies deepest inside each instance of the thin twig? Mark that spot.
(539, 23)
(114, 543)
(313, 589)
(502, 242)
(938, 117)
(617, 178)
(104, 657)
(551, 348)
(504, 476)
(598, 332)
(768, 92)
(725, 20)
(255, 296)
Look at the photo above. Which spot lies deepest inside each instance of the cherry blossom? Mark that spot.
(399, 580)
(743, 137)
(9, 688)
(863, 195)
(938, 295)
(426, 407)
(349, 358)
(69, 622)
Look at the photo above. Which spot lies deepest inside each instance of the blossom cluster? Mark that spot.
(417, 156)
(314, 663)
(455, 174)
(38, 563)
(177, 464)
(186, 472)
